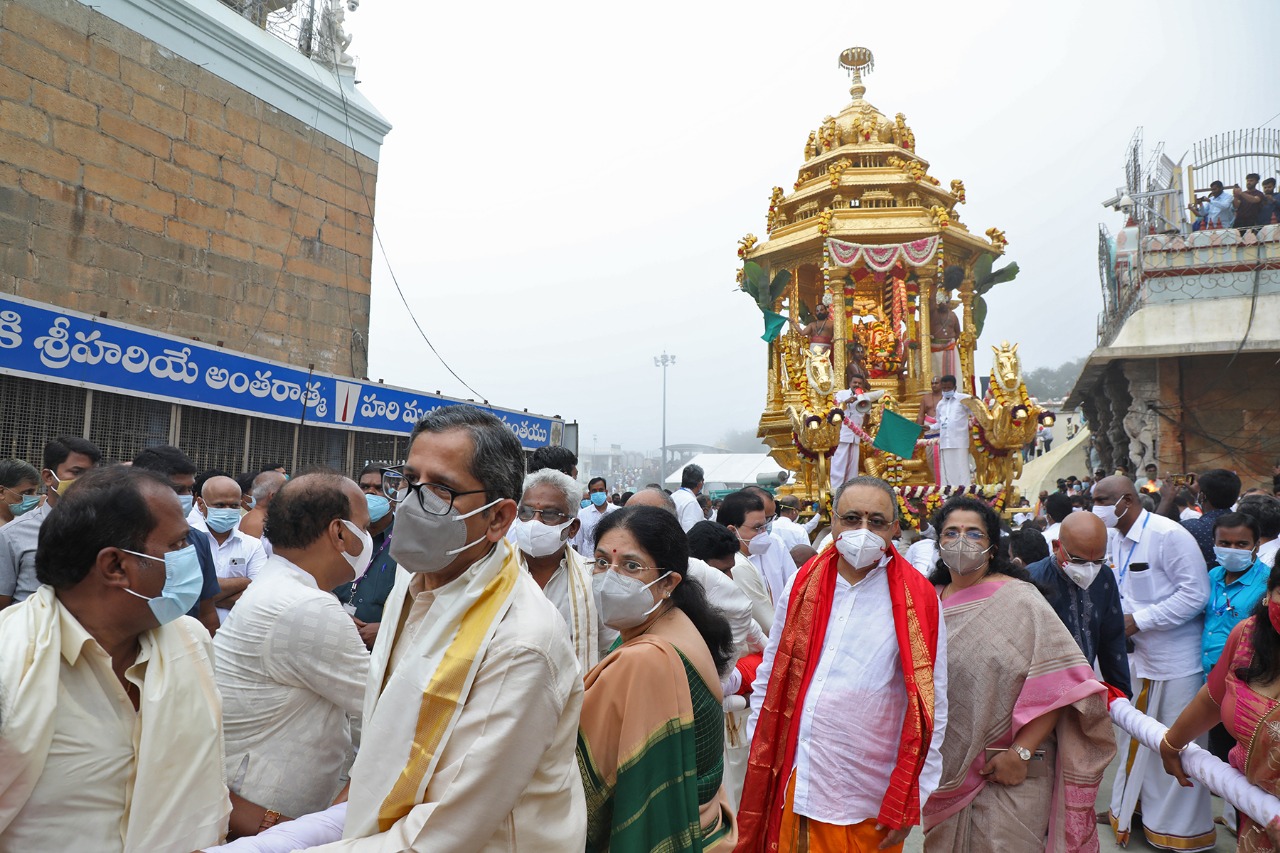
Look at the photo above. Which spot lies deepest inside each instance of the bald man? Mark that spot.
(1163, 591)
(237, 557)
(1082, 590)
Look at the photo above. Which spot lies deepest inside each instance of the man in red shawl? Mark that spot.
(849, 705)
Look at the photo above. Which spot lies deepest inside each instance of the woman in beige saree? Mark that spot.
(1028, 736)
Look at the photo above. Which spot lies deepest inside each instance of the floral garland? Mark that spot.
(929, 498)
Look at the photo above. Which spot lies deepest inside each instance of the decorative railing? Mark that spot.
(314, 28)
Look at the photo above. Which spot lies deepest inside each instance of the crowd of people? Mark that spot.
(466, 651)
(1251, 207)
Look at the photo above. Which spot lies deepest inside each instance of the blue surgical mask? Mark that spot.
(378, 507)
(1233, 559)
(599, 498)
(28, 503)
(253, 502)
(183, 581)
(186, 501)
(585, 503)
(223, 519)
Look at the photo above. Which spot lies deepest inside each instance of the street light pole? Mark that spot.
(663, 361)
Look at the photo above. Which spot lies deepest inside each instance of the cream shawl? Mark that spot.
(407, 724)
(582, 607)
(179, 797)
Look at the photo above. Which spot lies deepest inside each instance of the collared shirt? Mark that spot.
(18, 540)
(83, 796)
(844, 759)
(776, 565)
(1267, 552)
(1229, 604)
(1219, 208)
(1166, 600)
(749, 579)
(953, 423)
(789, 532)
(557, 592)
(687, 508)
(1050, 534)
(1202, 529)
(291, 668)
(923, 554)
(238, 556)
(585, 540)
(1093, 617)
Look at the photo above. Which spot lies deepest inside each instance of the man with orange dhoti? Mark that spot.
(471, 711)
(846, 739)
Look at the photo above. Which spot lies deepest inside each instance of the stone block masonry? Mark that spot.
(137, 183)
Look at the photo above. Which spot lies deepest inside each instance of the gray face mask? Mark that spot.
(428, 543)
(963, 557)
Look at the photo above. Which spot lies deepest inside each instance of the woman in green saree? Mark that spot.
(651, 740)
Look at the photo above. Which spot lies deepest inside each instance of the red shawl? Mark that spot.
(773, 748)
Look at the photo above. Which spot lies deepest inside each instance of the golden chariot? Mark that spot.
(868, 231)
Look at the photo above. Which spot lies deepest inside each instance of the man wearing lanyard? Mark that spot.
(1163, 591)
(364, 598)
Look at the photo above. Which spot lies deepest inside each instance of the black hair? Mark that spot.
(1057, 506)
(999, 565)
(1215, 184)
(711, 541)
(106, 508)
(15, 471)
(245, 481)
(371, 468)
(1220, 487)
(1184, 498)
(1264, 665)
(1265, 508)
(1238, 519)
(704, 502)
(735, 506)
(562, 459)
(1028, 545)
(948, 378)
(304, 508)
(57, 451)
(271, 467)
(626, 496)
(691, 476)
(659, 533)
(599, 480)
(1253, 175)
(165, 459)
(497, 459)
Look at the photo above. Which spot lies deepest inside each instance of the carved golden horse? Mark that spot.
(1008, 425)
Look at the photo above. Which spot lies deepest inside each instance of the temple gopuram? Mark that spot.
(869, 280)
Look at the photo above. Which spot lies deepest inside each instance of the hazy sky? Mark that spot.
(564, 188)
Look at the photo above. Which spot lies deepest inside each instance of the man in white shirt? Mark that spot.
(743, 514)
(787, 527)
(686, 497)
(112, 735)
(953, 436)
(584, 541)
(866, 739)
(774, 557)
(1163, 591)
(546, 520)
(1056, 509)
(290, 663)
(237, 557)
(471, 711)
(1266, 509)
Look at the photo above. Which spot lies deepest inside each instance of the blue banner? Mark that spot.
(47, 342)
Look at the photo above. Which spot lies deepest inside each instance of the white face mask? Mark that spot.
(360, 562)
(860, 548)
(537, 539)
(1108, 515)
(425, 542)
(623, 602)
(1081, 572)
(948, 395)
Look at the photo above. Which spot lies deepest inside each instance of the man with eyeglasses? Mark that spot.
(112, 736)
(845, 749)
(546, 520)
(1082, 590)
(1163, 591)
(471, 712)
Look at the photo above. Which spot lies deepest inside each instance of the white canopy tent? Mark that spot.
(728, 470)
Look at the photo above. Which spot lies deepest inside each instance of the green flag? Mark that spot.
(897, 435)
(773, 324)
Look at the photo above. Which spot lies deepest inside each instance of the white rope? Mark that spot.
(1200, 764)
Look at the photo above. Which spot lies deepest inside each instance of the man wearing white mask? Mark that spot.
(1082, 590)
(546, 519)
(775, 561)
(112, 737)
(846, 750)
(471, 710)
(237, 557)
(953, 436)
(743, 514)
(290, 664)
(365, 598)
(1163, 591)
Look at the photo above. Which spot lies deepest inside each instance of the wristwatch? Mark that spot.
(1022, 752)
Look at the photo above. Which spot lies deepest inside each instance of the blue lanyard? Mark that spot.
(1124, 570)
(356, 584)
(1226, 607)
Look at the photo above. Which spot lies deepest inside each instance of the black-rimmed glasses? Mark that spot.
(396, 486)
(552, 517)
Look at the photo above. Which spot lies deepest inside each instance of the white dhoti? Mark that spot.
(954, 466)
(1173, 817)
(737, 747)
(844, 463)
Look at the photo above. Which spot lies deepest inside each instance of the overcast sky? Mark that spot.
(564, 188)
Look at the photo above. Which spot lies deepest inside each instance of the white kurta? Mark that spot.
(291, 668)
(953, 441)
(588, 517)
(687, 509)
(238, 556)
(746, 574)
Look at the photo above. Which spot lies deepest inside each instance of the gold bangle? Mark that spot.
(1165, 740)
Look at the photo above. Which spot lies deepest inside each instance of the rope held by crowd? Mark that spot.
(1223, 779)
